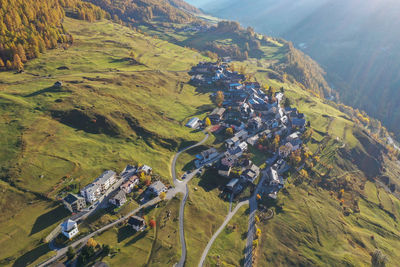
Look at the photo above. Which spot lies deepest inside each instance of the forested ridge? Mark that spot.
(146, 10)
(30, 27)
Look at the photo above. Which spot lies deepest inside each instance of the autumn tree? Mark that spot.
(8, 65)
(1, 63)
(92, 243)
(207, 121)
(148, 181)
(18, 63)
(29, 27)
(163, 195)
(303, 173)
(258, 232)
(229, 131)
(275, 142)
(152, 223)
(295, 158)
(219, 98)
(21, 52)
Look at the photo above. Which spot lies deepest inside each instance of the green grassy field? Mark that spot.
(111, 111)
(153, 247)
(228, 248)
(312, 230)
(204, 213)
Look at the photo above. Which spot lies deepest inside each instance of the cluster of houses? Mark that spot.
(110, 185)
(252, 114)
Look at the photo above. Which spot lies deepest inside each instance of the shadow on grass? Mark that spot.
(51, 89)
(188, 166)
(185, 144)
(125, 232)
(49, 218)
(136, 238)
(211, 180)
(29, 257)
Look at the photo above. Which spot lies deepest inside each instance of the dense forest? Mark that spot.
(146, 10)
(29, 27)
(304, 70)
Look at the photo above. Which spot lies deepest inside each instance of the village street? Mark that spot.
(61, 252)
(248, 259)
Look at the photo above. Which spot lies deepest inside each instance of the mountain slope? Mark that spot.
(28, 28)
(107, 114)
(147, 10)
(355, 41)
(125, 98)
(314, 223)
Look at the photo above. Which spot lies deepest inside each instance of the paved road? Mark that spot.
(248, 257)
(181, 186)
(227, 219)
(61, 252)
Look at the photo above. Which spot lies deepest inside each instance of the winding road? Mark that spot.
(181, 186)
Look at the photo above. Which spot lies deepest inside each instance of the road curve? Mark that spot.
(182, 187)
(227, 219)
(173, 164)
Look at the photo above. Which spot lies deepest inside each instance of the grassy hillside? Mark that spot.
(356, 43)
(125, 98)
(157, 246)
(228, 248)
(314, 224)
(107, 114)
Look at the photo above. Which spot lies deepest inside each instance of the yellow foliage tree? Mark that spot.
(91, 243)
(208, 121)
(163, 195)
(258, 232)
(219, 98)
(304, 173)
(229, 131)
(18, 63)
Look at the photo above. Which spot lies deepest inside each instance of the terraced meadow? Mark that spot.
(124, 99)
